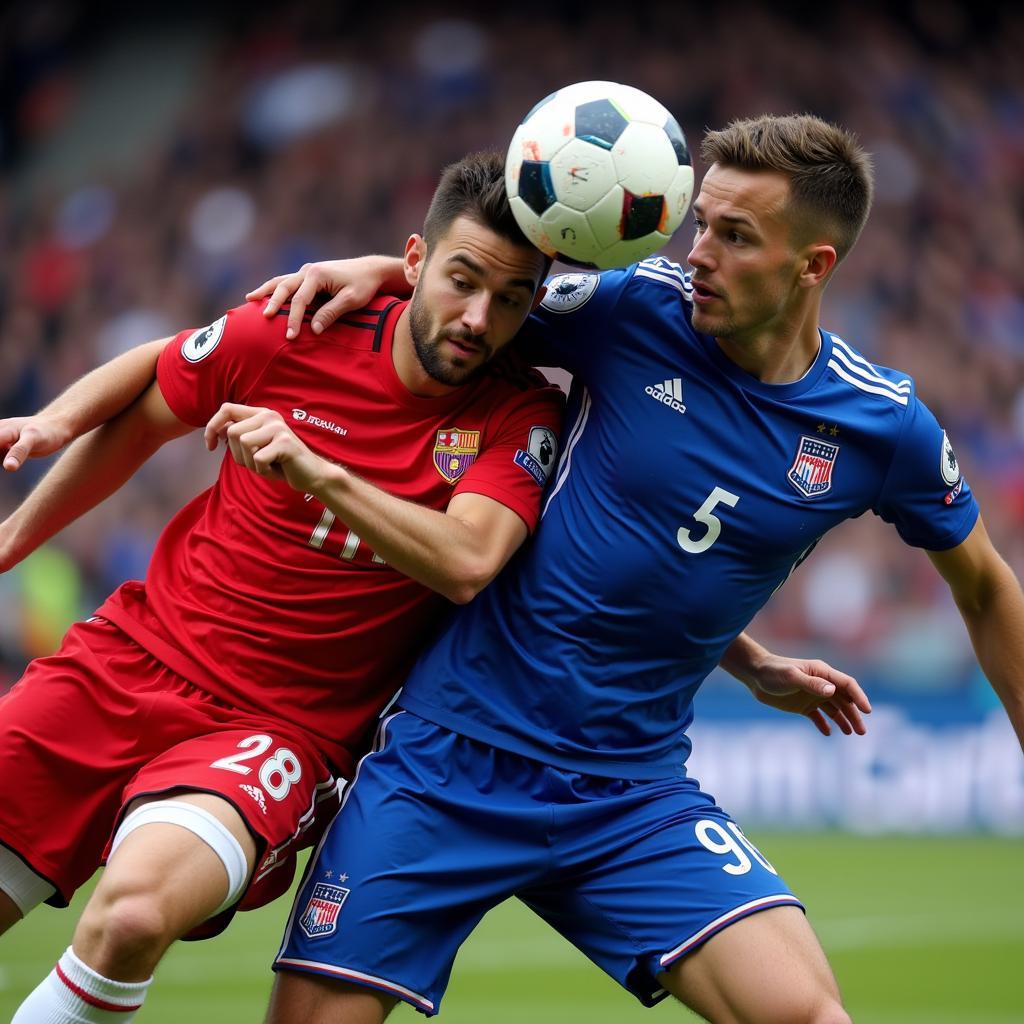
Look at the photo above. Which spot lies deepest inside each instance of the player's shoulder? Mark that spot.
(659, 272)
(862, 380)
(361, 328)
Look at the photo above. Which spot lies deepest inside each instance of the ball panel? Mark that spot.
(535, 186)
(581, 174)
(644, 160)
(568, 232)
(678, 140)
(529, 223)
(677, 198)
(600, 122)
(641, 215)
(605, 217)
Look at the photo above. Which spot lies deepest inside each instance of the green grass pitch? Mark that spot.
(924, 930)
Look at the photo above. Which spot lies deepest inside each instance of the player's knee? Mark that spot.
(122, 924)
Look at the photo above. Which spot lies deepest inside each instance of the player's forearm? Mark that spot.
(996, 627)
(92, 468)
(742, 659)
(106, 391)
(435, 548)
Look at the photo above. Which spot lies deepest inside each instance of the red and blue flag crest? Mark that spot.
(321, 914)
(455, 451)
(811, 472)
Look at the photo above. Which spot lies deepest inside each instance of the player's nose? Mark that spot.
(476, 313)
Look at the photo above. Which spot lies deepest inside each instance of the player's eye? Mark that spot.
(461, 284)
(510, 301)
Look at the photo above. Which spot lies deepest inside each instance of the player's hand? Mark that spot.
(815, 689)
(30, 437)
(352, 283)
(260, 440)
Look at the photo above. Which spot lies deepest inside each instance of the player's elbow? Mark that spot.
(467, 579)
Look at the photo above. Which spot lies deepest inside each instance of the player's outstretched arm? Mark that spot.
(90, 401)
(992, 605)
(801, 686)
(351, 283)
(91, 469)
(456, 552)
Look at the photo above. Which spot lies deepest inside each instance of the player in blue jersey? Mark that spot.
(715, 434)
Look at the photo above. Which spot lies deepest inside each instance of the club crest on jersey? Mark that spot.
(569, 291)
(199, 344)
(455, 451)
(320, 917)
(811, 472)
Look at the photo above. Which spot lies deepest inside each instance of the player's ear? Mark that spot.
(819, 259)
(415, 258)
(539, 297)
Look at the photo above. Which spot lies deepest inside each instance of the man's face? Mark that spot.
(472, 295)
(744, 260)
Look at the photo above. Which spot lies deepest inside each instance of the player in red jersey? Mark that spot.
(190, 732)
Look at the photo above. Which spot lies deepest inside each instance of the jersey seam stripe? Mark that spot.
(855, 357)
(762, 903)
(680, 287)
(378, 335)
(666, 266)
(902, 387)
(575, 434)
(346, 972)
(863, 385)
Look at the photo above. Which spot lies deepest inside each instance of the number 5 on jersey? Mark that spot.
(711, 522)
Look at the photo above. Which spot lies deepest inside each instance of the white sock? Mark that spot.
(73, 993)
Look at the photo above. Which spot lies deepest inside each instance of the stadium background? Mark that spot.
(156, 164)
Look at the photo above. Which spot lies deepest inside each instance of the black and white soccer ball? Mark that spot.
(599, 174)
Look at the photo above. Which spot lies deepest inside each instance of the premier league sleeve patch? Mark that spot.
(948, 465)
(569, 291)
(201, 343)
(541, 455)
(320, 917)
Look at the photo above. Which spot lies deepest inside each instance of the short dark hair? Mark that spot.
(474, 187)
(830, 176)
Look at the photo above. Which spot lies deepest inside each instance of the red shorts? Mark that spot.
(102, 722)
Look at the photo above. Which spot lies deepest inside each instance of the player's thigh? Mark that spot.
(308, 999)
(649, 872)
(768, 968)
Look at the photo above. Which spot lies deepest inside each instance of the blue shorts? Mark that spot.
(437, 829)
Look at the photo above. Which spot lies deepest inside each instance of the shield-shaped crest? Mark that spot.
(455, 451)
(321, 914)
(811, 472)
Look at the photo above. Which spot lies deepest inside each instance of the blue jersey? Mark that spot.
(686, 494)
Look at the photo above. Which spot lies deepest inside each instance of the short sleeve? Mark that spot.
(521, 454)
(925, 496)
(201, 369)
(573, 316)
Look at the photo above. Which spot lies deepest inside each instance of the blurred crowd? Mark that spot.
(318, 129)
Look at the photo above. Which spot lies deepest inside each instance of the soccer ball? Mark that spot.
(599, 175)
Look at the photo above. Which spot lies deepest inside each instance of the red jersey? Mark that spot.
(257, 593)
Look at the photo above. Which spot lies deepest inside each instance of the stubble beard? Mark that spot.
(428, 349)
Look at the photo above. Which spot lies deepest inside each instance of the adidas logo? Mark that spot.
(256, 793)
(668, 392)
